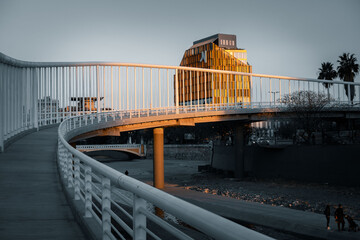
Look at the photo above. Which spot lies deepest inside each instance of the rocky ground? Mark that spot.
(301, 196)
(296, 195)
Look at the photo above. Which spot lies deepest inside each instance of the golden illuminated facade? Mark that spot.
(215, 52)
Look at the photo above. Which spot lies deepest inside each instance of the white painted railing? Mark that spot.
(109, 146)
(107, 194)
(38, 94)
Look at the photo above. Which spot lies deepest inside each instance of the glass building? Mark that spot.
(215, 52)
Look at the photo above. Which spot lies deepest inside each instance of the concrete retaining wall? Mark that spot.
(198, 152)
(338, 164)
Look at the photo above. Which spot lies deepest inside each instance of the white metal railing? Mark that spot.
(108, 194)
(109, 146)
(38, 94)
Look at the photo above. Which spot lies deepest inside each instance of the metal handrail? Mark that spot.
(214, 226)
(19, 63)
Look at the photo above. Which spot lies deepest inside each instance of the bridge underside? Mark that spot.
(193, 119)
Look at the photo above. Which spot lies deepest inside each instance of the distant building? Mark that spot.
(218, 52)
(86, 103)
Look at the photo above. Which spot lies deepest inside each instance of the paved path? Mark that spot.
(304, 223)
(32, 204)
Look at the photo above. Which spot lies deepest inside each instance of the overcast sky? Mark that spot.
(282, 37)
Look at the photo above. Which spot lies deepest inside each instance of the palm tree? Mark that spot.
(328, 73)
(347, 70)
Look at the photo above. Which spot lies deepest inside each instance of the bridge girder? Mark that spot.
(193, 119)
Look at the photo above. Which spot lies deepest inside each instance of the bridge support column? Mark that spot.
(158, 158)
(239, 151)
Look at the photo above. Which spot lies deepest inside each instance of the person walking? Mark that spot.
(339, 217)
(327, 215)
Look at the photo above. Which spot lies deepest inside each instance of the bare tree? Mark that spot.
(308, 107)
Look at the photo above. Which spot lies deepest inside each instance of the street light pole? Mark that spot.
(274, 92)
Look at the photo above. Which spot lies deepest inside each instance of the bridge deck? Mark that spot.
(32, 204)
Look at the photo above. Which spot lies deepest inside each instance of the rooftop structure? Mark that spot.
(218, 52)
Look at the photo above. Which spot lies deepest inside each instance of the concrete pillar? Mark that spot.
(159, 158)
(239, 151)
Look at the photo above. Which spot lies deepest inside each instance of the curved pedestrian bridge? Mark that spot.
(107, 203)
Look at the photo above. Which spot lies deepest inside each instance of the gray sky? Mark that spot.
(282, 37)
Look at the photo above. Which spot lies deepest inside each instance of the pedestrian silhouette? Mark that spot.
(327, 215)
(352, 224)
(126, 173)
(339, 217)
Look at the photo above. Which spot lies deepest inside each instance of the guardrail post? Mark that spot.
(106, 204)
(64, 166)
(88, 190)
(70, 170)
(2, 110)
(61, 157)
(77, 178)
(139, 219)
(176, 92)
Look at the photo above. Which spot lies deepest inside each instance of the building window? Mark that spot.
(226, 42)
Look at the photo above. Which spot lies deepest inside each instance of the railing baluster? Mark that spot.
(77, 178)
(139, 219)
(105, 204)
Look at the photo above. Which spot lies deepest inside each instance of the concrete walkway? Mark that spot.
(307, 224)
(32, 204)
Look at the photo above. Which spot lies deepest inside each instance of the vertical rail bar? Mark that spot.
(135, 88)
(198, 88)
(77, 89)
(143, 90)
(112, 89)
(139, 220)
(228, 90)
(220, 88)
(90, 92)
(70, 90)
(36, 98)
(83, 91)
(104, 90)
(2, 104)
(183, 87)
(159, 88)
(120, 95)
(88, 190)
(127, 88)
(98, 88)
(243, 90)
(190, 90)
(151, 89)
(58, 97)
(176, 91)
(167, 79)
(106, 204)
(205, 87)
(213, 88)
